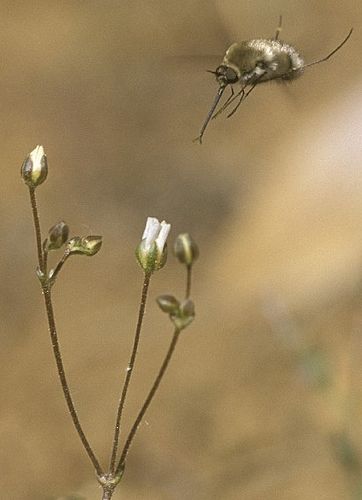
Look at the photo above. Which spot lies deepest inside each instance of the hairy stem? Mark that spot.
(63, 379)
(34, 209)
(148, 400)
(60, 264)
(188, 281)
(54, 338)
(107, 494)
(130, 366)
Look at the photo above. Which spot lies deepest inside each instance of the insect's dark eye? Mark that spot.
(220, 71)
(231, 76)
(228, 75)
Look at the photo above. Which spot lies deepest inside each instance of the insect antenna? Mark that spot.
(210, 113)
(331, 53)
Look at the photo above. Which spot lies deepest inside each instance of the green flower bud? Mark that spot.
(86, 245)
(168, 304)
(57, 236)
(186, 249)
(184, 315)
(181, 314)
(151, 253)
(34, 169)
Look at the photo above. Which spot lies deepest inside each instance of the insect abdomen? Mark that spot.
(281, 60)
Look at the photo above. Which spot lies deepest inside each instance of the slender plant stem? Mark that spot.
(148, 400)
(34, 209)
(130, 366)
(107, 494)
(55, 342)
(188, 281)
(45, 260)
(63, 379)
(60, 265)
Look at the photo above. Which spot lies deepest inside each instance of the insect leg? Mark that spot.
(245, 95)
(227, 103)
(331, 53)
(279, 28)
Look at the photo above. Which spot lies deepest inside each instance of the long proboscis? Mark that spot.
(211, 112)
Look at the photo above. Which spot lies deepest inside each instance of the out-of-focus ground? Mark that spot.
(263, 397)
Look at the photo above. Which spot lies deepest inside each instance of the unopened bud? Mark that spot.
(184, 315)
(168, 303)
(86, 245)
(57, 236)
(188, 308)
(151, 253)
(34, 169)
(181, 314)
(186, 249)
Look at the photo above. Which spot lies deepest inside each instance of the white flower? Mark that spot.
(35, 168)
(155, 232)
(151, 252)
(36, 157)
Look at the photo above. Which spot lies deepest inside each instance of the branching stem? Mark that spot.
(54, 337)
(148, 400)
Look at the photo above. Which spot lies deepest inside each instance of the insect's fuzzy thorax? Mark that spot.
(280, 59)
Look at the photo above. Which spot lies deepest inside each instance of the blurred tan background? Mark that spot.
(263, 398)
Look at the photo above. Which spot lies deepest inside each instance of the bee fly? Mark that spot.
(256, 61)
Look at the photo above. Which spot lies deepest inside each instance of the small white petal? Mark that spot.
(37, 152)
(146, 230)
(36, 156)
(162, 236)
(151, 231)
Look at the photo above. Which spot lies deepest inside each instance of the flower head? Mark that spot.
(151, 253)
(186, 249)
(57, 236)
(85, 245)
(34, 169)
(180, 313)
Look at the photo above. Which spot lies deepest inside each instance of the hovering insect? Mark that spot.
(253, 62)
